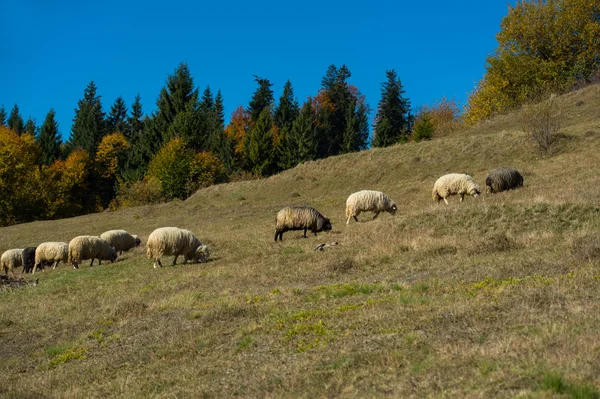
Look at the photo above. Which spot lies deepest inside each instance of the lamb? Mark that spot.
(455, 184)
(11, 259)
(175, 241)
(368, 201)
(28, 259)
(121, 240)
(300, 218)
(51, 252)
(90, 247)
(502, 179)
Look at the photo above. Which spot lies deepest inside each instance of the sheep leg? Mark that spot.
(376, 214)
(276, 234)
(446, 201)
(305, 232)
(462, 197)
(175, 260)
(55, 264)
(99, 261)
(34, 268)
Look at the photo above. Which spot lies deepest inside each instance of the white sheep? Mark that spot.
(368, 201)
(11, 259)
(305, 218)
(49, 252)
(121, 240)
(455, 184)
(166, 241)
(90, 247)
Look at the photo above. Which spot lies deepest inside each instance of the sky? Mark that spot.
(52, 49)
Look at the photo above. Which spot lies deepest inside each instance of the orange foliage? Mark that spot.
(444, 115)
(238, 128)
(67, 184)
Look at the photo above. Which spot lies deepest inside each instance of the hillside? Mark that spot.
(495, 296)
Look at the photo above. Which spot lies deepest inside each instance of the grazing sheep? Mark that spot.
(300, 218)
(175, 241)
(51, 252)
(368, 201)
(90, 247)
(121, 240)
(11, 259)
(28, 259)
(502, 179)
(455, 184)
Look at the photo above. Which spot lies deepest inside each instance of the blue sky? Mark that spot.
(52, 49)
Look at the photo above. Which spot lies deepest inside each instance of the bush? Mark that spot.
(541, 122)
(141, 192)
(205, 170)
(423, 129)
(171, 166)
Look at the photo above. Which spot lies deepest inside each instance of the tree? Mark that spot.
(301, 143)
(136, 159)
(88, 124)
(260, 146)
(116, 120)
(49, 139)
(543, 45)
(424, 128)
(393, 121)
(30, 127)
(109, 165)
(171, 167)
(287, 110)
(2, 115)
(261, 99)
(219, 143)
(15, 121)
(236, 131)
(444, 115)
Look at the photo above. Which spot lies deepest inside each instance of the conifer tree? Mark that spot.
(219, 144)
(49, 139)
(2, 116)
(135, 160)
(393, 122)
(30, 127)
(301, 143)
(116, 121)
(287, 110)
(15, 121)
(207, 104)
(261, 99)
(88, 124)
(259, 145)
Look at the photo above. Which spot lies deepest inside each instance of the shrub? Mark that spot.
(171, 166)
(142, 192)
(423, 129)
(206, 169)
(541, 122)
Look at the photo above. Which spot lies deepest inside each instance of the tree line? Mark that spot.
(124, 157)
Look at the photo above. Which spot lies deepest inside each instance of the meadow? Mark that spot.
(492, 297)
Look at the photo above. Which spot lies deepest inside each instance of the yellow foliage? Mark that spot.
(444, 115)
(66, 184)
(238, 128)
(110, 150)
(206, 169)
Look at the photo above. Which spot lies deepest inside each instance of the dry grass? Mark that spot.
(492, 297)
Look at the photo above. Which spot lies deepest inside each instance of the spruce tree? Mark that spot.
(2, 116)
(207, 104)
(49, 139)
(287, 110)
(116, 121)
(259, 145)
(393, 122)
(301, 143)
(15, 121)
(136, 160)
(88, 124)
(135, 122)
(30, 127)
(261, 99)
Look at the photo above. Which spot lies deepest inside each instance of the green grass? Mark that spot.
(474, 299)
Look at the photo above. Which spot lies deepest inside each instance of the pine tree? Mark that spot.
(116, 120)
(49, 139)
(15, 121)
(259, 145)
(2, 116)
(207, 104)
(88, 124)
(301, 143)
(219, 144)
(393, 122)
(287, 110)
(30, 127)
(261, 99)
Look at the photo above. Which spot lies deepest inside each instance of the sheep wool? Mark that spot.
(300, 218)
(28, 259)
(455, 184)
(502, 179)
(90, 247)
(167, 241)
(51, 252)
(368, 201)
(11, 259)
(121, 240)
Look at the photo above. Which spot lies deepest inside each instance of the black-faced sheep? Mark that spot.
(90, 247)
(368, 201)
(455, 184)
(502, 179)
(166, 241)
(300, 218)
(51, 253)
(28, 259)
(11, 259)
(121, 240)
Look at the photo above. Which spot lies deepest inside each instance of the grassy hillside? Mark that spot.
(495, 296)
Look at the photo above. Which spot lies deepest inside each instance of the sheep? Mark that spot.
(175, 241)
(502, 179)
(453, 184)
(121, 240)
(300, 218)
(90, 247)
(368, 200)
(51, 252)
(28, 259)
(11, 259)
